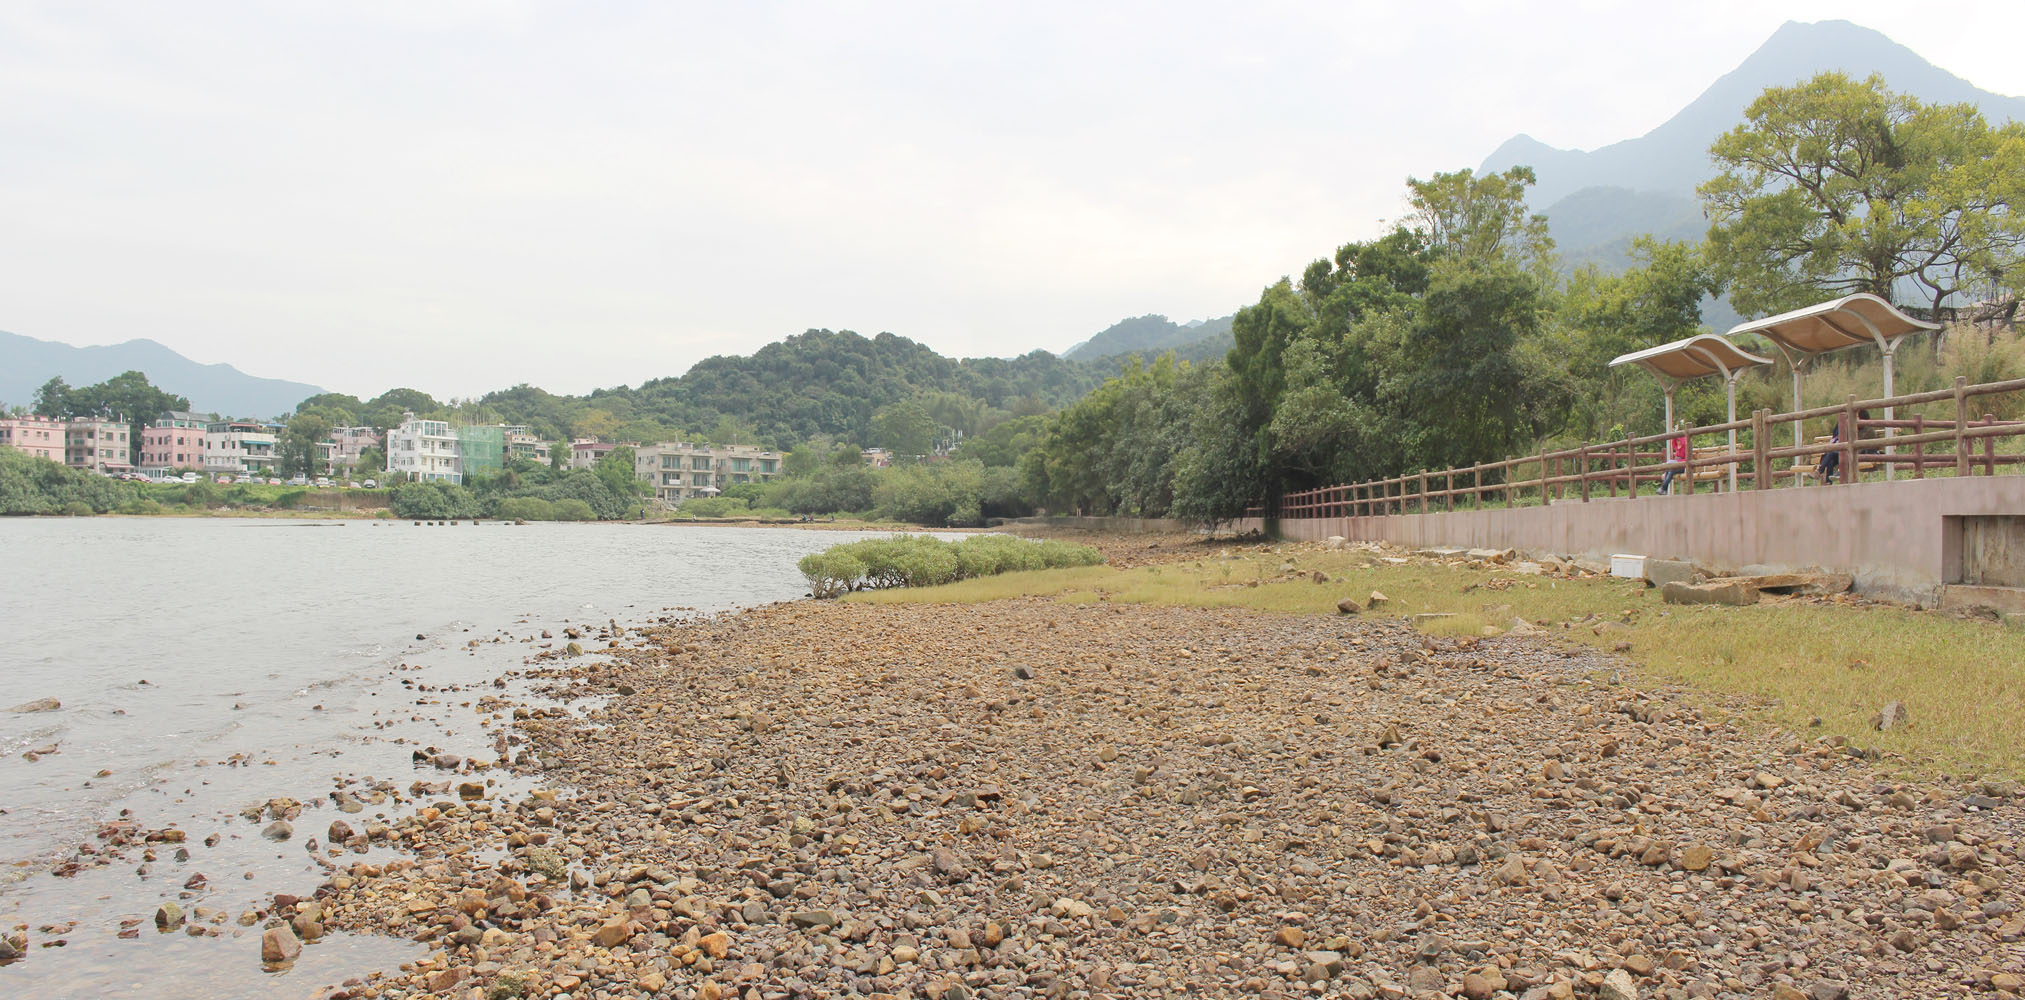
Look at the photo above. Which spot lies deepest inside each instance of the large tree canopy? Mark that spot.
(1836, 186)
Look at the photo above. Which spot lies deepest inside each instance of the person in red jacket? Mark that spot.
(1676, 451)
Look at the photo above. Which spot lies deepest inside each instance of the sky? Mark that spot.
(463, 195)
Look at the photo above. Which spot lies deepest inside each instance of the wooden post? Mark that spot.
(1477, 486)
(1961, 422)
(1849, 430)
(1990, 446)
(1582, 467)
(1543, 477)
(1423, 491)
(1451, 491)
(1920, 449)
(1761, 467)
(1506, 468)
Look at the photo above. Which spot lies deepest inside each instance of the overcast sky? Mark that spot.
(461, 195)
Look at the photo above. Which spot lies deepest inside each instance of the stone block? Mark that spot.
(1726, 592)
(1660, 572)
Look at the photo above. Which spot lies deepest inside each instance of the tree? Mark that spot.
(128, 397)
(1835, 186)
(615, 470)
(299, 441)
(904, 428)
(1467, 217)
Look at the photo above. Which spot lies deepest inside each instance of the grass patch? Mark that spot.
(1962, 680)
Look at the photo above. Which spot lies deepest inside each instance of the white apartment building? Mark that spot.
(679, 470)
(239, 447)
(424, 451)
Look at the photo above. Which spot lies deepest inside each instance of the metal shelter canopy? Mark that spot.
(1850, 321)
(1699, 356)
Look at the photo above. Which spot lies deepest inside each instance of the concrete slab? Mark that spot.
(1714, 592)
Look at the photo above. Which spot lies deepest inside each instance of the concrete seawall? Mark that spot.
(1900, 540)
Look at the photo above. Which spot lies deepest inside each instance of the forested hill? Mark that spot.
(821, 382)
(1155, 334)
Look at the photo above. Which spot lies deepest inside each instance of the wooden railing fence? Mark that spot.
(1961, 444)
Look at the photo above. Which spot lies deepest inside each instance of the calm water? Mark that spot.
(209, 665)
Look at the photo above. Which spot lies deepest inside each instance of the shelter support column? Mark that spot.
(1890, 348)
(1732, 418)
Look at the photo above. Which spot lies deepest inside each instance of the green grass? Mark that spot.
(1962, 680)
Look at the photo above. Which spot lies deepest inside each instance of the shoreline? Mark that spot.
(1023, 797)
(1034, 797)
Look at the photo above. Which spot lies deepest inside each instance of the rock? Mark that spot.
(9, 950)
(1660, 572)
(278, 830)
(279, 944)
(1071, 908)
(1347, 606)
(1696, 857)
(1892, 716)
(1333, 542)
(1290, 937)
(1483, 985)
(1618, 985)
(1724, 592)
(471, 790)
(1490, 555)
(813, 918)
(613, 933)
(168, 917)
(2007, 981)
(1512, 872)
(715, 945)
(1376, 599)
(1799, 583)
(339, 832)
(38, 705)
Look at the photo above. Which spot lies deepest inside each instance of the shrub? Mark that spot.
(832, 572)
(526, 509)
(78, 508)
(712, 506)
(573, 510)
(921, 561)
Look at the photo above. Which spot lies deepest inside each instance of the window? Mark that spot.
(767, 465)
(699, 461)
(741, 465)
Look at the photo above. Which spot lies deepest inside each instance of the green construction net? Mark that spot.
(482, 450)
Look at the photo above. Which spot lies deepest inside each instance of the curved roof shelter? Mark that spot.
(1699, 356)
(1850, 321)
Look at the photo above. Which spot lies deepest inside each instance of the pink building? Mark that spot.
(165, 446)
(42, 437)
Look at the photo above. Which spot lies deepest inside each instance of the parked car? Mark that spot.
(189, 477)
(273, 482)
(299, 481)
(222, 478)
(372, 485)
(322, 483)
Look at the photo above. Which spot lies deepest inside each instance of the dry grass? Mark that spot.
(1818, 667)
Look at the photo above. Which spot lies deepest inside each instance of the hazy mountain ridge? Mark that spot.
(26, 363)
(1647, 184)
(1156, 334)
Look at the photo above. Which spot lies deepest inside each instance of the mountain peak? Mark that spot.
(1673, 158)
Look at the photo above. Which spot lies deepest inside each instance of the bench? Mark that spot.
(1864, 463)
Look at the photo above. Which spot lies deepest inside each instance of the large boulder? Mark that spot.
(38, 705)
